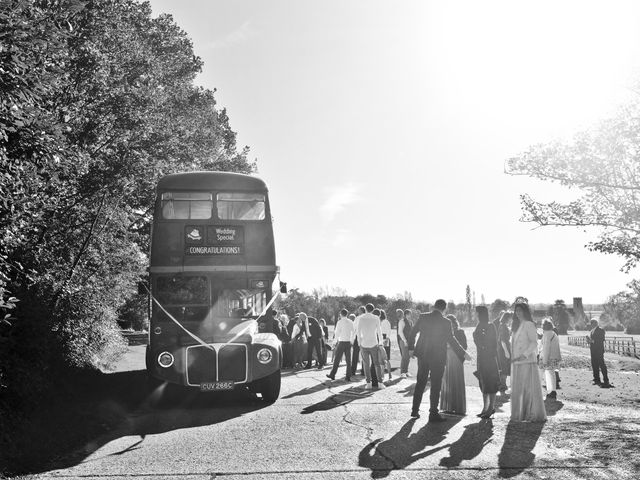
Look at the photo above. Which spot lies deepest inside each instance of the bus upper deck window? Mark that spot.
(186, 205)
(241, 206)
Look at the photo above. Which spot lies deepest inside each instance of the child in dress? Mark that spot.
(385, 364)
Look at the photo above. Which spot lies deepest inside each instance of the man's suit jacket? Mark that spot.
(435, 333)
(597, 336)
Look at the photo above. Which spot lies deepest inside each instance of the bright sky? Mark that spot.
(382, 128)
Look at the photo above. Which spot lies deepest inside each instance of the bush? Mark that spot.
(614, 328)
(633, 329)
(56, 331)
(134, 313)
(581, 327)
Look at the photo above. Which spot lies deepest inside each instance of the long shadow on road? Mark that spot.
(520, 439)
(470, 444)
(98, 408)
(404, 448)
(339, 399)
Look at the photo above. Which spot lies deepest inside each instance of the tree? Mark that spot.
(380, 301)
(624, 308)
(93, 111)
(560, 315)
(422, 307)
(468, 304)
(498, 306)
(400, 301)
(601, 165)
(297, 301)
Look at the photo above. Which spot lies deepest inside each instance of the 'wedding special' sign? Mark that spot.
(214, 240)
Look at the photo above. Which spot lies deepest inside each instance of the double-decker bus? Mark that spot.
(212, 269)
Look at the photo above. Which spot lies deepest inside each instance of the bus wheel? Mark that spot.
(270, 387)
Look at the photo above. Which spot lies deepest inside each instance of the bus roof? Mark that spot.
(211, 180)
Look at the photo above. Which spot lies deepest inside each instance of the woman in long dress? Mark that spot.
(527, 403)
(550, 356)
(452, 394)
(485, 337)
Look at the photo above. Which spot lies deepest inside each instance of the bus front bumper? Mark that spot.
(223, 364)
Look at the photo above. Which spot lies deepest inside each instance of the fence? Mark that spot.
(626, 346)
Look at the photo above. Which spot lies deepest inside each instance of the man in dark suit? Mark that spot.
(434, 333)
(596, 345)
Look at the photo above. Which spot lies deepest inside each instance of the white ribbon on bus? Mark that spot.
(194, 336)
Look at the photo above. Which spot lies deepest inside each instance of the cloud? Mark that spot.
(236, 37)
(338, 198)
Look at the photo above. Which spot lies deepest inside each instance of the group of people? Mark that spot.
(305, 339)
(365, 337)
(507, 347)
(502, 352)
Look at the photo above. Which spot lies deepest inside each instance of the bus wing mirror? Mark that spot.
(283, 287)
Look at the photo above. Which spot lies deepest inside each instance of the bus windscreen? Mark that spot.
(187, 205)
(240, 206)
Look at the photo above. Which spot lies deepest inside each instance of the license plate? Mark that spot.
(215, 386)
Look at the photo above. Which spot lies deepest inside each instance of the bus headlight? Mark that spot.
(165, 359)
(264, 355)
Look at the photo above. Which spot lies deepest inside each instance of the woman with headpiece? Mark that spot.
(504, 349)
(527, 403)
(452, 394)
(486, 339)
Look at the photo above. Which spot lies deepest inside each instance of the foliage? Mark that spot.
(498, 306)
(97, 103)
(610, 324)
(133, 314)
(380, 301)
(329, 306)
(560, 316)
(624, 308)
(601, 164)
(400, 301)
(468, 304)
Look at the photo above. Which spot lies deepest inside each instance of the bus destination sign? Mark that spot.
(214, 250)
(214, 240)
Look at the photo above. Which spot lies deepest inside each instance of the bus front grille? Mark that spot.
(201, 365)
(217, 362)
(232, 363)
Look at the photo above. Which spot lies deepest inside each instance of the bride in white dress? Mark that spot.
(527, 403)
